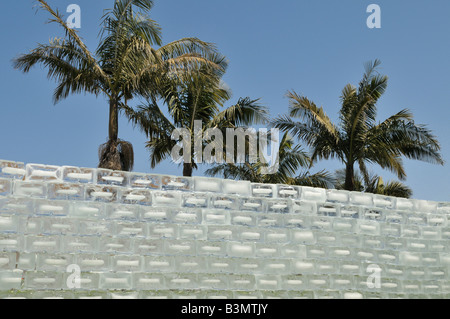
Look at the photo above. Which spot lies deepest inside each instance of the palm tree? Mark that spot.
(198, 99)
(126, 64)
(358, 139)
(375, 185)
(291, 159)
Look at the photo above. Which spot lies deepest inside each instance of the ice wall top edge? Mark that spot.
(40, 173)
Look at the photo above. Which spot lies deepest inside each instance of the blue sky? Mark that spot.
(312, 47)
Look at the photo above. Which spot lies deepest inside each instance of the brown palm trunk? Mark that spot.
(109, 152)
(349, 177)
(113, 120)
(187, 169)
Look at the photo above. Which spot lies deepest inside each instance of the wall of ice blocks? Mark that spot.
(136, 235)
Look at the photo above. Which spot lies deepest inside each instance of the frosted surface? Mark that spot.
(137, 235)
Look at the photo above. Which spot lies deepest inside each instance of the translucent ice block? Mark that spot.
(145, 246)
(177, 183)
(163, 231)
(248, 266)
(130, 229)
(223, 202)
(30, 189)
(363, 199)
(167, 199)
(251, 204)
(77, 175)
(263, 190)
(43, 280)
(331, 210)
(109, 177)
(5, 187)
(337, 196)
(181, 281)
(244, 218)
(94, 262)
(37, 243)
(263, 250)
(51, 208)
(198, 232)
(241, 249)
(149, 281)
(384, 201)
(156, 214)
(95, 228)
(287, 191)
(268, 282)
(59, 226)
(180, 247)
(9, 223)
(65, 191)
(269, 220)
(145, 181)
(187, 216)
(195, 200)
(216, 217)
(202, 184)
(304, 207)
(116, 281)
(350, 211)
(219, 233)
(106, 194)
(241, 233)
(115, 244)
(313, 194)
(293, 282)
(7, 260)
(242, 282)
(136, 196)
(208, 248)
(127, 263)
(12, 170)
(53, 262)
(242, 188)
(281, 206)
(25, 261)
(80, 244)
(11, 242)
(213, 281)
(125, 212)
(17, 206)
(11, 279)
(276, 266)
(195, 264)
(275, 235)
(37, 172)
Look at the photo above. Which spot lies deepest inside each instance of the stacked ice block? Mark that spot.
(68, 232)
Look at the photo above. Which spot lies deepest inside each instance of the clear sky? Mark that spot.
(312, 47)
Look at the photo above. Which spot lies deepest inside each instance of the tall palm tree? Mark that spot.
(375, 185)
(358, 139)
(199, 99)
(291, 159)
(129, 61)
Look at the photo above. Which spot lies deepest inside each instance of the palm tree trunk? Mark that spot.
(349, 177)
(113, 120)
(109, 155)
(187, 169)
